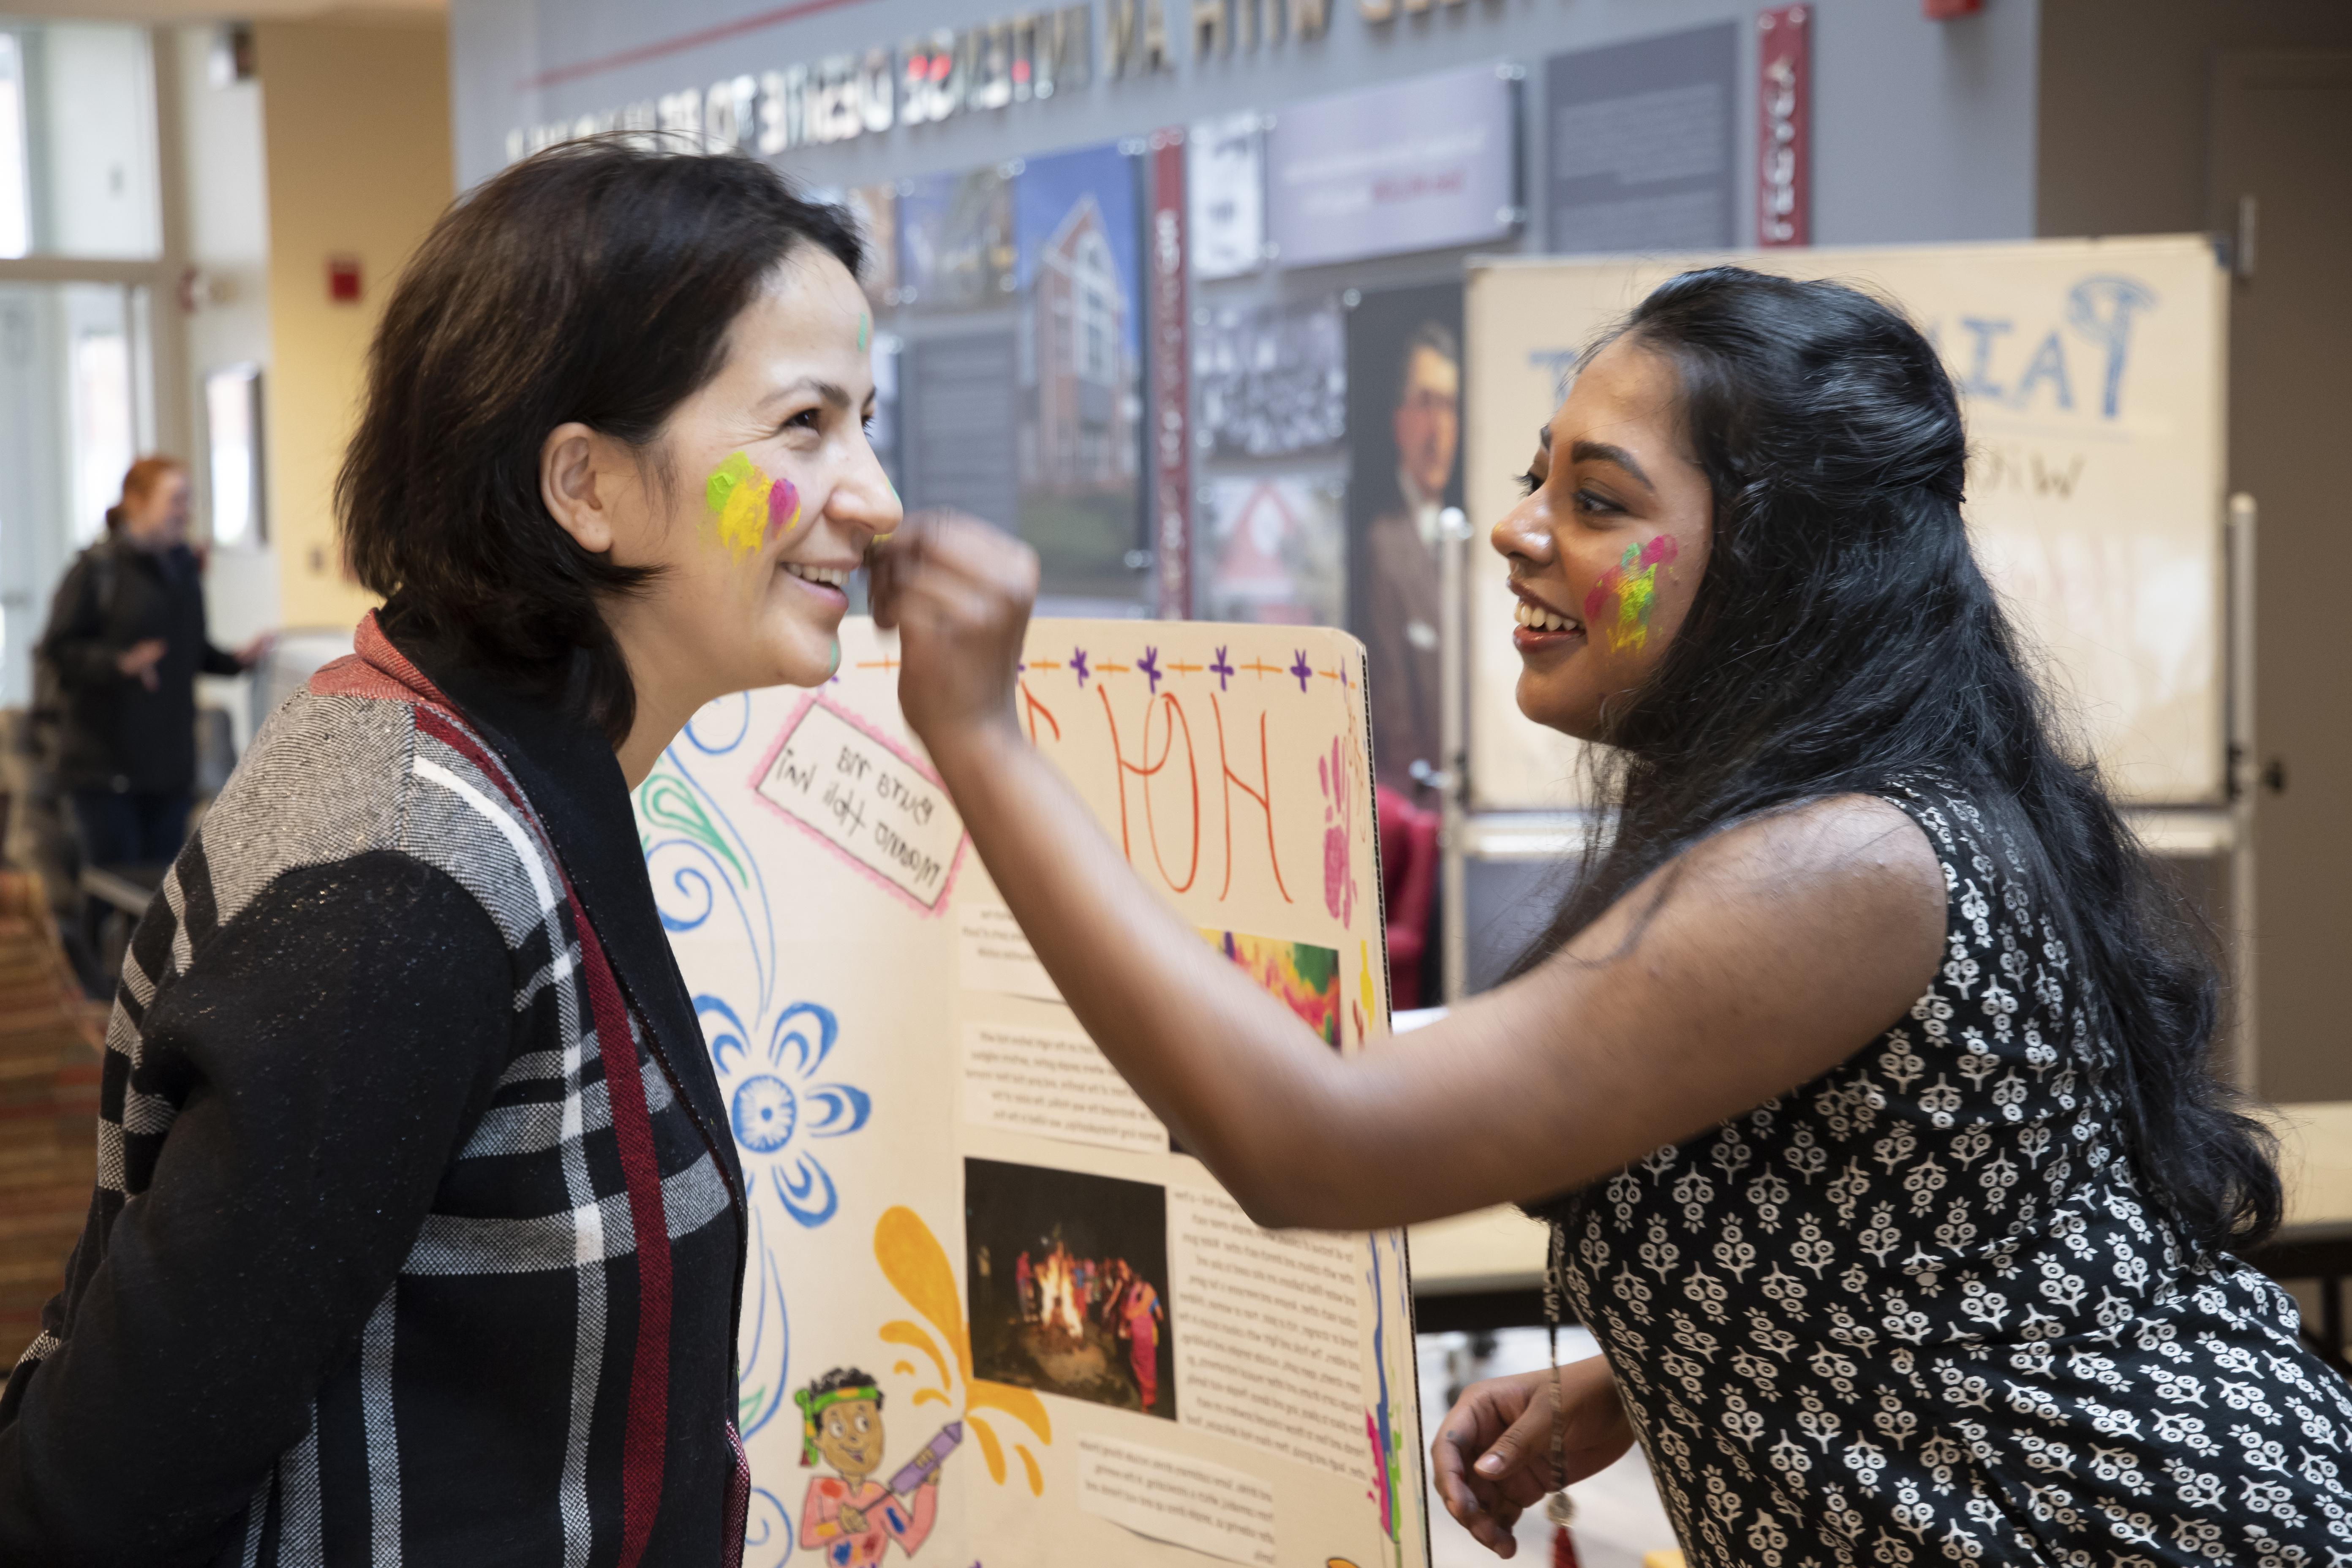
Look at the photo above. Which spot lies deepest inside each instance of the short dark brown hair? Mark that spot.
(594, 281)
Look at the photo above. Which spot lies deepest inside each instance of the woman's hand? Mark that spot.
(959, 593)
(139, 661)
(1492, 1450)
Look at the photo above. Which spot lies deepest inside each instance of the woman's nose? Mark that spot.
(1520, 533)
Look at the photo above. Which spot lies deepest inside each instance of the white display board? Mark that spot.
(2092, 376)
(945, 1175)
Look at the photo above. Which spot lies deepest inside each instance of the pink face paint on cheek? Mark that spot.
(784, 508)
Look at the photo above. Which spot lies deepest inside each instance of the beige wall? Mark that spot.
(2141, 133)
(2125, 102)
(356, 140)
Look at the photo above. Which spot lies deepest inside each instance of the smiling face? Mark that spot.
(1608, 548)
(755, 504)
(849, 1436)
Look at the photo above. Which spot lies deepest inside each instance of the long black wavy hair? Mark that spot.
(1842, 636)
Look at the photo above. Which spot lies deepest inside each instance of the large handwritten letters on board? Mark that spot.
(1084, 1352)
(2091, 374)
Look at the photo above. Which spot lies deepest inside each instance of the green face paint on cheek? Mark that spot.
(1633, 584)
(865, 330)
(737, 496)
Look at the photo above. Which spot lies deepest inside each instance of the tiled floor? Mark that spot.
(1618, 1516)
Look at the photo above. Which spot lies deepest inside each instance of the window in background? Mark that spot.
(73, 374)
(15, 200)
(232, 421)
(102, 427)
(80, 98)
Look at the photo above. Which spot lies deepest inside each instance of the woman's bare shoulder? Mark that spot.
(1857, 857)
(1831, 912)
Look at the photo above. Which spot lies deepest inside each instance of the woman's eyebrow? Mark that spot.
(1603, 452)
(831, 392)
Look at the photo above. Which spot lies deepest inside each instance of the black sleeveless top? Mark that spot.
(1916, 1310)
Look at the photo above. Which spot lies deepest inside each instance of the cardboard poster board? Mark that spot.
(955, 1200)
(2092, 378)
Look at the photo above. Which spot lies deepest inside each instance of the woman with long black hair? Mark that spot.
(1863, 1077)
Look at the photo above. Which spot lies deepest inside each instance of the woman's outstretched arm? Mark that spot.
(1757, 960)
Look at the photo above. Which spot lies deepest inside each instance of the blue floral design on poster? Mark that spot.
(772, 1055)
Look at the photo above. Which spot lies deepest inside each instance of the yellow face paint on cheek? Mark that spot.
(737, 496)
(1633, 584)
(746, 507)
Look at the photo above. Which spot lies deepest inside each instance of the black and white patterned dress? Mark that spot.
(1916, 1310)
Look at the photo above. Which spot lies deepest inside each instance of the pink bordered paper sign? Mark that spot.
(838, 778)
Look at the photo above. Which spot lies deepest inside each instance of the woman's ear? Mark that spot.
(577, 486)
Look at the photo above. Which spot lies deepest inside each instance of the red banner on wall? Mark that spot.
(1170, 398)
(1784, 95)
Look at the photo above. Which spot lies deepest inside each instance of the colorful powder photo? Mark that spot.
(1633, 584)
(1068, 1285)
(1301, 976)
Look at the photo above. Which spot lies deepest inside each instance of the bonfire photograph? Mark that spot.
(1068, 1277)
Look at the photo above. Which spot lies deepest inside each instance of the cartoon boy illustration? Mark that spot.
(852, 1519)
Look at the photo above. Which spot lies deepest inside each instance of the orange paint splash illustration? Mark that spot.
(916, 1267)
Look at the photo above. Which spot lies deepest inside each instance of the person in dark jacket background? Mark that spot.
(127, 639)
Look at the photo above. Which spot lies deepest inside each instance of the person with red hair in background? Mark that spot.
(126, 640)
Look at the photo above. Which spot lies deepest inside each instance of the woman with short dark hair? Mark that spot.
(418, 1229)
(1864, 1076)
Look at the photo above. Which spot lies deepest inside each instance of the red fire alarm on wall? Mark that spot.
(343, 279)
(1947, 10)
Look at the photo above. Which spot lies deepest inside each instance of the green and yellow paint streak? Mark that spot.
(1632, 582)
(916, 1267)
(747, 508)
(1396, 1478)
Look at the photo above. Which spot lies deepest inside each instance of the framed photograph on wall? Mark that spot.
(233, 439)
(1404, 426)
(1077, 232)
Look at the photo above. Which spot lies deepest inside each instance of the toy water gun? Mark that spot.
(926, 1465)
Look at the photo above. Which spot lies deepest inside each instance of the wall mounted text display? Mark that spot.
(1172, 399)
(930, 78)
(1226, 177)
(1424, 165)
(1640, 138)
(1784, 91)
(938, 74)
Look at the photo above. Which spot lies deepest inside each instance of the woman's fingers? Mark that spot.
(958, 592)
(1519, 1461)
(1488, 1504)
